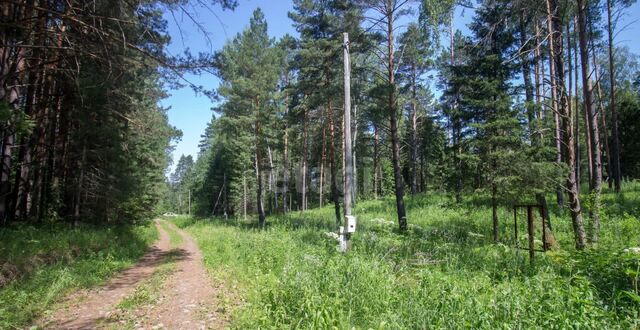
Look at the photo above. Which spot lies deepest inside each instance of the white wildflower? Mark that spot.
(333, 235)
(635, 250)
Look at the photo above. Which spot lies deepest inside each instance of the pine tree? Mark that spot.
(249, 72)
(415, 62)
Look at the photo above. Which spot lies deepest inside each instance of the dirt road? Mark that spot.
(186, 298)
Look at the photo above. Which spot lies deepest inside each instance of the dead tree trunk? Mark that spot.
(553, 79)
(587, 89)
(392, 108)
(615, 134)
(555, 43)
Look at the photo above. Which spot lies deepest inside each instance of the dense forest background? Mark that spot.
(83, 136)
(538, 100)
(521, 110)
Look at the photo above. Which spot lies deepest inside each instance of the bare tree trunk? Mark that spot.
(5, 187)
(455, 122)
(285, 156)
(494, 213)
(80, 183)
(305, 142)
(555, 43)
(537, 74)
(577, 109)
(601, 112)
(587, 89)
(414, 132)
(393, 119)
(376, 161)
(332, 162)
(258, 168)
(526, 73)
(322, 161)
(270, 179)
(354, 192)
(423, 183)
(553, 79)
(615, 138)
(260, 209)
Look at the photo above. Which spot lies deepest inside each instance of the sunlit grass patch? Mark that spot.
(101, 252)
(446, 272)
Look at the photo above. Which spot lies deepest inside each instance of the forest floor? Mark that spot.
(168, 288)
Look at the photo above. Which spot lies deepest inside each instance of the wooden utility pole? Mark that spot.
(348, 156)
(349, 226)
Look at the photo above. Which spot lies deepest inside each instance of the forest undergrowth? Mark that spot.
(446, 272)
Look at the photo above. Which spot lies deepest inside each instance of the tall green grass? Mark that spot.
(444, 273)
(51, 262)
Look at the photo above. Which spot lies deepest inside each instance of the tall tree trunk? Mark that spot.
(305, 143)
(455, 122)
(322, 161)
(601, 113)
(354, 130)
(577, 107)
(50, 157)
(80, 182)
(615, 138)
(555, 43)
(553, 79)
(414, 132)
(5, 187)
(270, 180)
(376, 161)
(537, 73)
(332, 161)
(393, 119)
(11, 67)
(494, 212)
(423, 183)
(285, 172)
(587, 90)
(258, 168)
(526, 73)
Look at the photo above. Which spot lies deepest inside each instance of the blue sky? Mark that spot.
(190, 112)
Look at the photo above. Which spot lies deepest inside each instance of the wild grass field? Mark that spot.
(446, 272)
(40, 265)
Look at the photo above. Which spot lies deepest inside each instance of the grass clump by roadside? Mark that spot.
(444, 273)
(46, 263)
